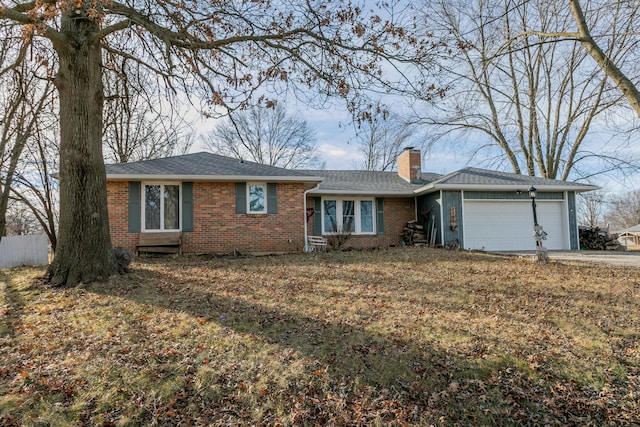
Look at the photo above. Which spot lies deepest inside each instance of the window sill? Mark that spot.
(352, 234)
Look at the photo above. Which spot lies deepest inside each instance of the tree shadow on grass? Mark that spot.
(343, 348)
(11, 306)
(425, 380)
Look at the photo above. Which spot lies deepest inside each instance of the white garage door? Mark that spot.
(508, 225)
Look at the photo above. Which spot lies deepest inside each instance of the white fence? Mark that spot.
(24, 250)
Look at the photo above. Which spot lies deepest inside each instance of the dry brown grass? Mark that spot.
(405, 336)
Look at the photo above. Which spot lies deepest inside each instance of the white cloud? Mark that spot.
(335, 137)
(339, 156)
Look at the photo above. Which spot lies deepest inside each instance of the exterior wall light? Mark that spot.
(533, 192)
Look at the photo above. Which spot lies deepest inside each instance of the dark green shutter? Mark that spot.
(272, 198)
(134, 207)
(187, 206)
(380, 215)
(241, 197)
(317, 216)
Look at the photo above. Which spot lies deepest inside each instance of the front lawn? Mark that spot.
(405, 336)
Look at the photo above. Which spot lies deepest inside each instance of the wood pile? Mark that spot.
(415, 234)
(599, 240)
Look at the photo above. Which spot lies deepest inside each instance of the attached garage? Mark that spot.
(491, 211)
(494, 225)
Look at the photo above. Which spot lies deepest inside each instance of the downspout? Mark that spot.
(441, 224)
(569, 213)
(304, 212)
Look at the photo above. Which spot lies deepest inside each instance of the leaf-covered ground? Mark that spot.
(408, 336)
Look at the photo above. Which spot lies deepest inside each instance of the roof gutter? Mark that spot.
(218, 178)
(504, 187)
(365, 193)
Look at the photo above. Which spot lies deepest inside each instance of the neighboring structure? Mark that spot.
(629, 236)
(223, 205)
(31, 249)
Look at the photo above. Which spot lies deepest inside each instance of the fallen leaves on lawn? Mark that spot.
(410, 336)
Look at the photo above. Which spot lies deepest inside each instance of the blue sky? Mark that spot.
(336, 142)
(333, 142)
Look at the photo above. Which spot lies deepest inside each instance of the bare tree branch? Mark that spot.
(627, 87)
(225, 53)
(266, 135)
(537, 101)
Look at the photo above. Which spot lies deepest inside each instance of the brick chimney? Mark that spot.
(410, 165)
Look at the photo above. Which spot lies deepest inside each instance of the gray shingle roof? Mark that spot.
(209, 166)
(389, 183)
(634, 229)
(366, 182)
(203, 165)
(483, 178)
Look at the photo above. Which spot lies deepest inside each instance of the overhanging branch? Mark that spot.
(19, 14)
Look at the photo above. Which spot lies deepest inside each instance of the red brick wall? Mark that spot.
(397, 211)
(118, 199)
(410, 164)
(217, 227)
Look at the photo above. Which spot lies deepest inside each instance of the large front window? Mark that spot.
(161, 207)
(353, 216)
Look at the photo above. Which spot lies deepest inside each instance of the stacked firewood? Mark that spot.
(599, 240)
(414, 234)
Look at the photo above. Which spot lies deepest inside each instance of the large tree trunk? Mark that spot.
(84, 252)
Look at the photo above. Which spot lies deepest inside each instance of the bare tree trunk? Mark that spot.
(12, 116)
(535, 99)
(84, 252)
(4, 202)
(22, 112)
(6, 190)
(604, 62)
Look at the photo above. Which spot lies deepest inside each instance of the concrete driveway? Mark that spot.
(628, 258)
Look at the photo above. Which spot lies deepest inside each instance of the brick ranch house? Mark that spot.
(221, 205)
